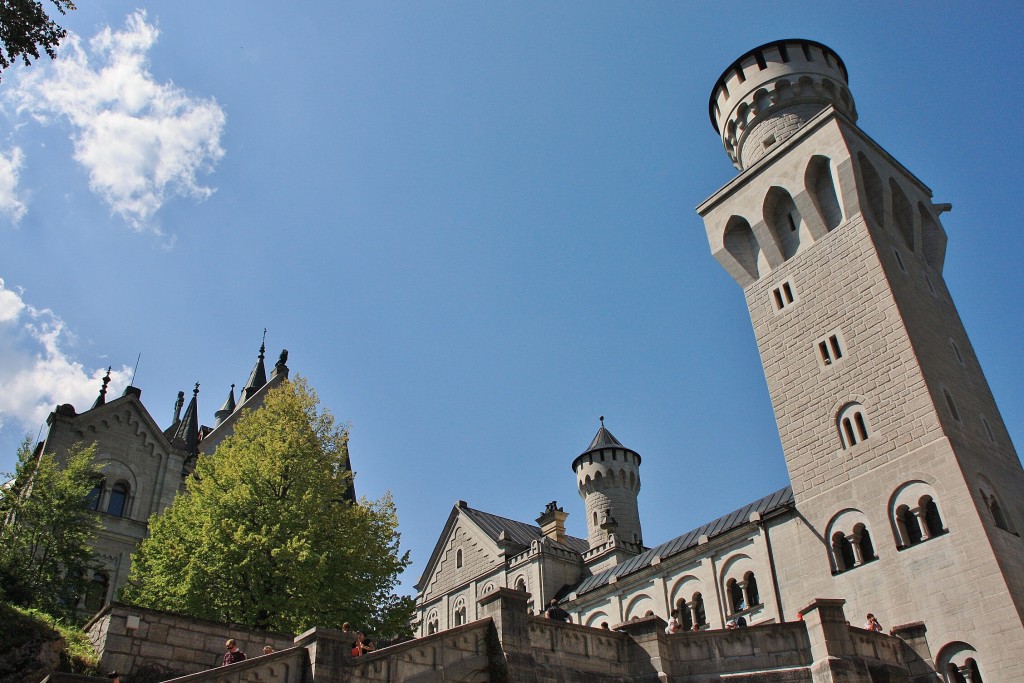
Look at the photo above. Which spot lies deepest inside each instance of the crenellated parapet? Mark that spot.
(771, 91)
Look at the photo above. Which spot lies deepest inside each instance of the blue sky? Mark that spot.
(471, 224)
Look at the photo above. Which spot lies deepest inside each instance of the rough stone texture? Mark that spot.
(509, 646)
(169, 643)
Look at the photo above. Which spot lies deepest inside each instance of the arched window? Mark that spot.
(842, 550)
(932, 519)
(872, 190)
(118, 500)
(433, 624)
(521, 585)
(753, 597)
(699, 616)
(910, 530)
(92, 499)
(685, 620)
(853, 425)
(460, 616)
(96, 591)
(783, 218)
(738, 239)
(863, 540)
(735, 593)
(902, 215)
(998, 518)
(822, 189)
(458, 558)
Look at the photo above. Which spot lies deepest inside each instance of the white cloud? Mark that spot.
(10, 169)
(142, 142)
(36, 371)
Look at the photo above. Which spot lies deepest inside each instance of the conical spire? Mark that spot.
(102, 398)
(603, 439)
(227, 408)
(188, 430)
(258, 376)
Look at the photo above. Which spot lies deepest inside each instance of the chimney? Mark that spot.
(552, 522)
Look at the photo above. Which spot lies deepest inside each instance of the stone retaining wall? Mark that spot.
(153, 645)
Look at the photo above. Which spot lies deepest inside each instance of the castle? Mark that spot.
(906, 493)
(142, 466)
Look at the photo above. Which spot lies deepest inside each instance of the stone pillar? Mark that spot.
(506, 607)
(918, 655)
(649, 634)
(330, 653)
(832, 650)
(922, 522)
(858, 555)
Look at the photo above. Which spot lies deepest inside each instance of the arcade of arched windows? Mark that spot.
(850, 544)
(915, 515)
(783, 223)
(742, 594)
(958, 663)
(114, 500)
(691, 613)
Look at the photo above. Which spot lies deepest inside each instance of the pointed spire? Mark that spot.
(258, 376)
(102, 398)
(227, 408)
(188, 430)
(604, 439)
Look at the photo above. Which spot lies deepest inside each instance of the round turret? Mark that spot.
(608, 477)
(771, 91)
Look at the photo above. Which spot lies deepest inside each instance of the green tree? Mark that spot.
(46, 530)
(25, 27)
(265, 537)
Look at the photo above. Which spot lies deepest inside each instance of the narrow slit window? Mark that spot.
(956, 350)
(988, 430)
(792, 223)
(952, 406)
(782, 296)
(830, 349)
(899, 260)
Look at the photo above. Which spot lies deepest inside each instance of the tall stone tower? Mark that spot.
(608, 479)
(909, 489)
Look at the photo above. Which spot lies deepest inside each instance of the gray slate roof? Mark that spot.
(519, 533)
(780, 499)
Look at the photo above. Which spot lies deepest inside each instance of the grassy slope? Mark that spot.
(23, 632)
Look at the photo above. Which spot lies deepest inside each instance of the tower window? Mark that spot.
(830, 349)
(988, 429)
(956, 351)
(899, 260)
(792, 223)
(853, 426)
(783, 295)
(458, 558)
(952, 406)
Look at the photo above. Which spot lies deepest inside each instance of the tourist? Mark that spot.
(872, 624)
(362, 645)
(604, 625)
(555, 612)
(267, 650)
(673, 623)
(114, 677)
(233, 654)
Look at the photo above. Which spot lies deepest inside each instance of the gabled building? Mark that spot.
(142, 466)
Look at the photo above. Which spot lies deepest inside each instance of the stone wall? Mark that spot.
(509, 646)
(151, 645)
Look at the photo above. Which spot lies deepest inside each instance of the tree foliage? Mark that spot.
(46, 530)
(25, 27)
(264, 536)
